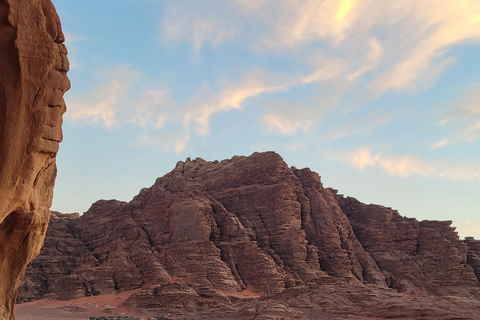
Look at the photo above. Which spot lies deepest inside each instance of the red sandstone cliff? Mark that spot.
(210, 226)
(33, 67)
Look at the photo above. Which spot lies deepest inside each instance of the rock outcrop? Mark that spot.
(417, 257)
(208, 230)
(33, 79)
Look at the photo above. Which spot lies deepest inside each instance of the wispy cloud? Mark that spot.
(286, 124)
(440, 143)
(406, 165)
(168, 140)
(197, 25)
(364, 125)
(71, 41)
(465, 116)
(410, 52)
(103, 103)
(115, 100)
(371, 46)
(122, 96)
(232, 95)
(72, 38)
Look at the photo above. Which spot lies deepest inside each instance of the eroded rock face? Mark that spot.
(33, 80)
(249, 221)
(340, 252)
(417, 257)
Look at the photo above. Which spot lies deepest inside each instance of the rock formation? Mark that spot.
(33, 79)
(208, 230)
(417, 257)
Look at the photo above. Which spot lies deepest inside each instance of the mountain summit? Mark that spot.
(207, 231)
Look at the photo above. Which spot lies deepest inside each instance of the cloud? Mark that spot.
(149, 108)
(326, 68)
(72, 38)
(402, 45)
(200, 109)
(232, 95)
(187, 24)
(104, 102)
(360, 126)
(337, 47)
(116, 100)
(168, 140)
(123, 96)
(417, 35)
(285, 118)
(460, 173)
(286, 124)
(377, 46)
(407, 166)
(72, 42)
(440, 143)
(372, 59)
(465, 116)
(403, 166)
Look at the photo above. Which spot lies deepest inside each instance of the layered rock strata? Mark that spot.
(33, 79)
(417, 257)
(254, 221)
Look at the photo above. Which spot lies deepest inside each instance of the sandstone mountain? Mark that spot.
(33, 67)
(208, 230)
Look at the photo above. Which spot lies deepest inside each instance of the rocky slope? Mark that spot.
(33, 67)
(208, 230)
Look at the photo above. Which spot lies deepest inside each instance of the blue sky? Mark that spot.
(380, 97)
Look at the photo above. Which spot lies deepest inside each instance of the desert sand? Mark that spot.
(77, 309)
(96, 306)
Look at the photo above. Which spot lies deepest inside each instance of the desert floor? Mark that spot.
(78, 309)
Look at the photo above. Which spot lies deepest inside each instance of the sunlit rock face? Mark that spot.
(33, 67)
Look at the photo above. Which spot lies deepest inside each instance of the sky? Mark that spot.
(380, 97)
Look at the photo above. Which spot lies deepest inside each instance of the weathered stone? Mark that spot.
(33, 79)
(210, 229)
(263, 193)
(179, 298)
(328, 228)
(416, 257)
(473, 255)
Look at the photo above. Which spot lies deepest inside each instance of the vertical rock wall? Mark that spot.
(33, 80)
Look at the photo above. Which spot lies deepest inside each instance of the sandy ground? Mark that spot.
(78, 309)
(95, 306)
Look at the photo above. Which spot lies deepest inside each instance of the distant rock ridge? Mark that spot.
(247, 221)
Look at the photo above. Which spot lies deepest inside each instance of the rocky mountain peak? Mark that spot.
(247, 222)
